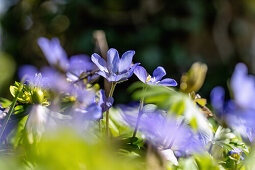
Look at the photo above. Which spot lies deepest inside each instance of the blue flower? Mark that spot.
(115, 69)
(238, 112)
(104, 102)
(91, 106)
(156, 79)
(243, 86)
(54, 52)
(80, 66)
(75, 68)
(91, 112)
(47, 78)
(163, 131)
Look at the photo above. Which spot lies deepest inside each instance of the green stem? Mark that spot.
(140, 111)
(107, 112)
(10, 111)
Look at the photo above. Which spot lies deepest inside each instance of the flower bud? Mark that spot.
(37, 96)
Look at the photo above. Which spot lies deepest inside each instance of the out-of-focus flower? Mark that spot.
(158, 74)
(193, 80)
(2, 112)
(75, 68)
(104, 102)
(36, 122)
(239, 112)
(41, 119)
(91, 112)
(92, 106)
(243, 86)
(79, 67)
(116, 68)
(54, 52)
(31, 75)
(165, 132)
(236, 153)
(47, 78)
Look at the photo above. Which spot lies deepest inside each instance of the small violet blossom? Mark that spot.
(46, 78)
(162, 131)
(116, 68)
(239, 112)
(95, 108)
(53, 52)
(75, 68)
(80, 66)
(156, 79)
(104, 102)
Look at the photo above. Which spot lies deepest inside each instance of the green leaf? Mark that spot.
(13, 90)
(5, 102)
(178, 107)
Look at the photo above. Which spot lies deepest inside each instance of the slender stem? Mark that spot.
(107, 112)
(10, 111)
(140, 111)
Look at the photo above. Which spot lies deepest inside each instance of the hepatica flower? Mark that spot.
(163, 131)
(46, 78)
(116, 68)
(156, 79)
(54, 52)
(93, 106)
(243, 86)
(76, 67)
(104, 102)
(79, 67)
(239, 112)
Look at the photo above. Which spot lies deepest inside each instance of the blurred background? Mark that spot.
(170, 33)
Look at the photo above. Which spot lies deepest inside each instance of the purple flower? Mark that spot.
(104, 102)
(158, 74)
(47, 78)
(31, 75)
(239, 112)
(54, 52)
(163, 131)
(115, 69)
(91, 112)
(79, 66)
(84, 97)
(76, 67)
(243, 86)
(91, 106)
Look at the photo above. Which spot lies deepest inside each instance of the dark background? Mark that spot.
(170, 33)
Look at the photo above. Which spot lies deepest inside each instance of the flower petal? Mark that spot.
(104, 102)
(102, 73)
(217, 98)
(126, 61)
(243, 86)
(168, 82)
(126, 75)
(80, 63)
(99, 61)
(113, 60)
(27, 70)
(71, 76)
(141, 73)
(54, 52)
(158, 73)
